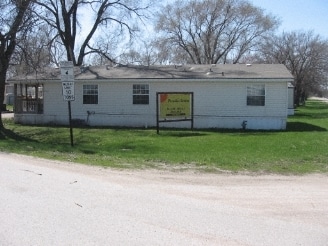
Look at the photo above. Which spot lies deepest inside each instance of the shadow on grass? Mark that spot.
(311, 115)
(312, 110)
(88, 151)
(303, 127)
(182, 133)
(5, 133)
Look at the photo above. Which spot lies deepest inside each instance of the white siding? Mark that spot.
(216, 104)
(290, 100)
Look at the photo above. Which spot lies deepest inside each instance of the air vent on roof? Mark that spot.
(209, 72)
(83, 69)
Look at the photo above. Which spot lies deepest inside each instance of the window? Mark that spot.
(140, 94)
(90, 94)
(256, 95)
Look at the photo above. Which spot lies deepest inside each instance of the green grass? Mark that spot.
(9, 107)
(299, 150)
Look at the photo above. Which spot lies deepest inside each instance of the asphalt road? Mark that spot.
(53, 203)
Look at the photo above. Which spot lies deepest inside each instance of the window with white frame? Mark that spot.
(90, 94)
(140, 94)
(256, 95)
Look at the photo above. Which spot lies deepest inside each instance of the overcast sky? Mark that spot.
(298, 14)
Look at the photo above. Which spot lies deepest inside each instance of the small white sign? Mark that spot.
(68, 91)
(67, 74)
(67, 71)
(67, 78)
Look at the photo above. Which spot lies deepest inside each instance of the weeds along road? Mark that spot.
(52, 203)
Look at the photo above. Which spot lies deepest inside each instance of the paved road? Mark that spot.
(53, 203)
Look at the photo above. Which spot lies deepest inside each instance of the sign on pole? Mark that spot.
(67, 78)
(68, 91)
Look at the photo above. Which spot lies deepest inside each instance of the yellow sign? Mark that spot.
(175, 106)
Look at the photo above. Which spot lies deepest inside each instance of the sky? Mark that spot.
(295, 15)
(298, 15)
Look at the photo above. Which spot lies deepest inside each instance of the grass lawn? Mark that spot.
(303, 148)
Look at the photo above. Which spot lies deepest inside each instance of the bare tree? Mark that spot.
(13, 21)
(305, 55)
(103, 49)
(145, 53)
(68, 17)
(212, 31)
(35, 51)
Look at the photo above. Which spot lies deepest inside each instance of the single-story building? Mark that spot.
(252, 96)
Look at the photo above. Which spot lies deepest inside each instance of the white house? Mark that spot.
(252, 96)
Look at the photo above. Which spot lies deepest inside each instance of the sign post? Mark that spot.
(67, 78)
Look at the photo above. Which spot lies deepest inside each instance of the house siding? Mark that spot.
(220, 104)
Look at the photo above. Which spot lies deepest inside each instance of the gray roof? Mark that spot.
(215, 71)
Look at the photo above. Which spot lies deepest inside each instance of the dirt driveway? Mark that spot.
(54, 203)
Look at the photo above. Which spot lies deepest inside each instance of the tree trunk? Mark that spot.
(8, 45)
(3, 71)
(4, 64)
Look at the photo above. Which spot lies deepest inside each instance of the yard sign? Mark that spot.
(174, 106)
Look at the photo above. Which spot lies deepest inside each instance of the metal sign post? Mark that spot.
(67, 78)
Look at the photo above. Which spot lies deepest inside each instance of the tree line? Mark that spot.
(35, 34)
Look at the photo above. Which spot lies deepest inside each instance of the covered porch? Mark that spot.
(28, 98)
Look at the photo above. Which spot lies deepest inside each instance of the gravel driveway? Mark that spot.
(45, 202)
